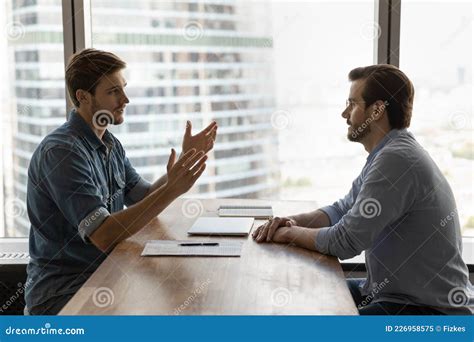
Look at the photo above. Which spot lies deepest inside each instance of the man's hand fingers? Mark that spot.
(192, 160)
(171, 160)
(261, 231)
(198, 164)
(256, 231)
(189, 128)
(208, 129)
(259, 228)
(186, 156)
(212, 133)
(198, 174)
(209, 146)
(263, 235)
(273, 228)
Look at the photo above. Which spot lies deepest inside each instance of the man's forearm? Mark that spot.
(302, 237)
(157, 184)
(123, 224)
(313, 219)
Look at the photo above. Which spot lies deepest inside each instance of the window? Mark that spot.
(32, 59)
(273, 74)
(437, 56)
(316, 44)
(275, 85)
(209, 62)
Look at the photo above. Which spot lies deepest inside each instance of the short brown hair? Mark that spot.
(85, 69)
(387, 83)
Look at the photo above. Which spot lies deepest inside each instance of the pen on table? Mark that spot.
(199, 244)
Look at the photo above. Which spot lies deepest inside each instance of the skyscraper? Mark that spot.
(196, 60)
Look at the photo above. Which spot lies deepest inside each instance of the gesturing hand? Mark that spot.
(203, 141)
(183, 173)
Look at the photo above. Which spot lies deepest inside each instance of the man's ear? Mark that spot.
(84, 97)
(379, 109)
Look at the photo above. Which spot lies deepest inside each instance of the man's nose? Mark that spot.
(125, 98)
(344, 114)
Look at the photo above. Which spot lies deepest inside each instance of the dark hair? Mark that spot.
(85, 69)
(387, 83)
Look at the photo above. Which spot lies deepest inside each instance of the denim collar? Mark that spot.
(79, 124)
(394, 133)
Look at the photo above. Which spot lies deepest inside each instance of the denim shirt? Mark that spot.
(75, 181)
(402, 213)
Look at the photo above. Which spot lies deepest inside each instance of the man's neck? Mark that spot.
(374, 138)
(88, 119)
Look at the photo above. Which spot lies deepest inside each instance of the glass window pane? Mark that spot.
(198, 61)
(316, 45)
(32, 96)
(437, 56)
(273, 74)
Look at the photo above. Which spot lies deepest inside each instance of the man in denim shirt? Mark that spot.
(80, 178)
(392, 212)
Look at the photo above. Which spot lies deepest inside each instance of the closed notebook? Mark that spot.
(222, 226)
(255, 211)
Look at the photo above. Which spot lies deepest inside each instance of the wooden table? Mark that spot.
(268, 279)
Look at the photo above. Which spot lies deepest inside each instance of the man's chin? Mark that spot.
(118, 119)
(357, 135)
(352, 137)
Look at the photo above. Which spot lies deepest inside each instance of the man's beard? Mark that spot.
(357, 134)
(110, 119)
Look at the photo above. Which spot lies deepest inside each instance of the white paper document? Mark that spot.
(192, 248)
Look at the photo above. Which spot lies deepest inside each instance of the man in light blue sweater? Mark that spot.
(400, 210)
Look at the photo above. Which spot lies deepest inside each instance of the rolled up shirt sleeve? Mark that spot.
(91, 222)
(386, 194)
(66, 177)
(136, 186)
